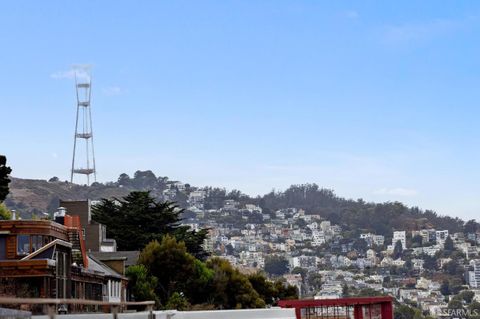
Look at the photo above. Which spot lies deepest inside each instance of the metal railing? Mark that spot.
(52, 304)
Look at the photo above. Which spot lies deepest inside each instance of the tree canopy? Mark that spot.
(398, 250)
(4, 180)
(276, 265)
(137, 219)
(179, 280)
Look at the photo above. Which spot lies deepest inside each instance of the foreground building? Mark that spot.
(48, 259)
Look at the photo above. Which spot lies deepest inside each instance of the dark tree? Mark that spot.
(276, 265)
(429, 263)
(471, 227)
(398, 250)
(417, 241)
(449, 246)
(138, 219)
(144, 180)
(445, 288)
(264, 287)
(124, 180)
(302, 271)
(4, 180)
(360, 245)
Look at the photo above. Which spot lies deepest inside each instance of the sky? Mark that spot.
(373, 99)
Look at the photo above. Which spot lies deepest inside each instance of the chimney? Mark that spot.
(14, 214)
(59, 215)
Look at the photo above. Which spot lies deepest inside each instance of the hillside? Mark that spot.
(29, 197)
(32, 196)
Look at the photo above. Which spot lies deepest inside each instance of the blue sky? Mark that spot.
(373, 99)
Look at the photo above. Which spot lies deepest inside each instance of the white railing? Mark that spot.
(54, 304)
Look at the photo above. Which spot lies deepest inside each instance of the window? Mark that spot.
(23, 245)
(37, 242)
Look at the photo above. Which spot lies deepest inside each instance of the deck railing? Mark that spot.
(53, 304)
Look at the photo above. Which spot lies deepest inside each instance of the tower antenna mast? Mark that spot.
(83, 127)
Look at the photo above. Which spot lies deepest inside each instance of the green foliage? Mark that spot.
(467, 296)
(231, 289)
(141, 284)
(453, 268)
(171, 264)
(138, 219)
(455, 304)
(360, 245)
(185, 280)
(449, 246)
(429, 263)
(284, 290)
(4, 180)
(417, 241)
(471, 226)
(357, 216)
(345, 290)
(445, 288)
(264, 287)
(314, 280)
(301, 271)
(276, 265)
(403, 311)
(270, 291)
(5, 214)
(397, 250)
(177, 302)
(474, 307)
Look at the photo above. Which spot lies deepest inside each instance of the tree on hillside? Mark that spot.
(302, 271)
(124, 180)
(445, 288)
(417, 241)
(449, 246)
(314, 280)
(467, 296)
(137, 219)
(144, 180)
(471, 227)
(360, 245)
(4, 180)
(398, 250)
(276, 265)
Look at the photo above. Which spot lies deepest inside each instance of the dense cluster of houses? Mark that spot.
(246, 235)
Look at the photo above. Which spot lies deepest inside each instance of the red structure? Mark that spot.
(343, 308)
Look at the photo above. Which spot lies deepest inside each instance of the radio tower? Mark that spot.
(83, 127)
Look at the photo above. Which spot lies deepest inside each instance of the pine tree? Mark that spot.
(4, 180)
(138, 219)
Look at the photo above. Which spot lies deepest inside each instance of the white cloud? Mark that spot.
(413, 32)
(82, 71)
(352, 14)
(399, 191)
(113, 90)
